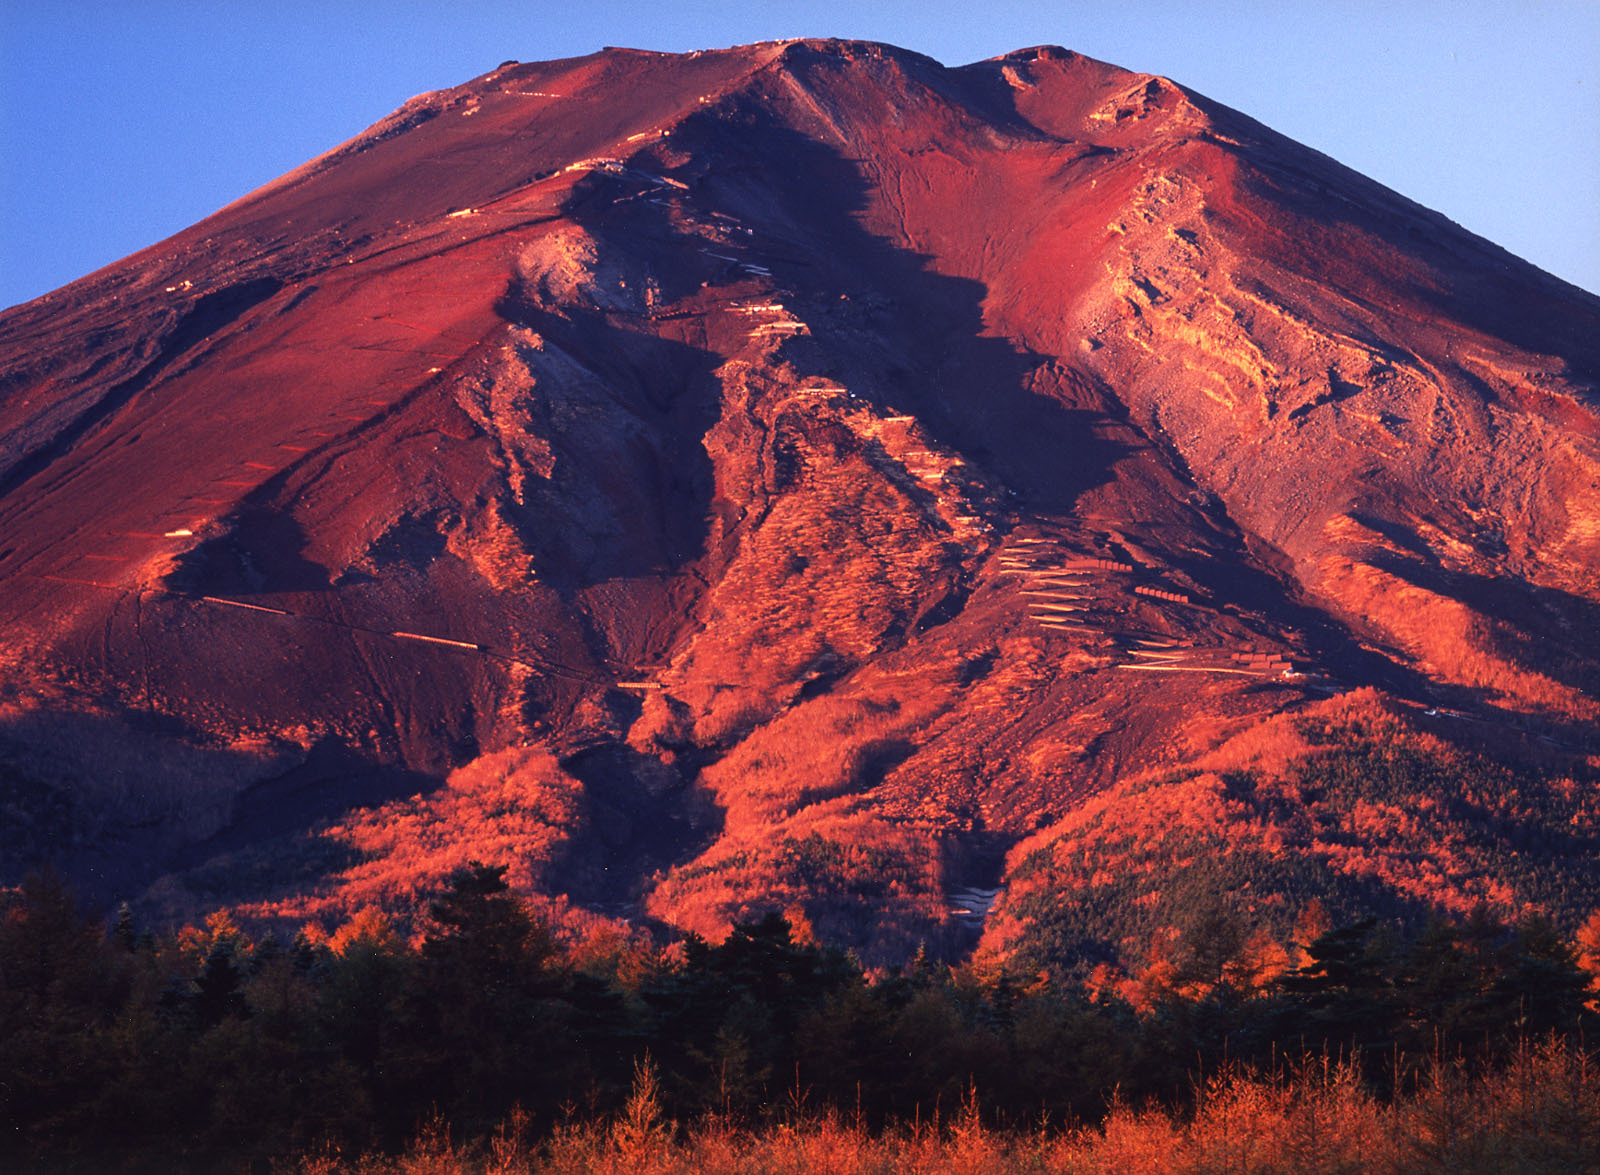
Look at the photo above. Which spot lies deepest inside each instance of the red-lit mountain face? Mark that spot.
(786, 476)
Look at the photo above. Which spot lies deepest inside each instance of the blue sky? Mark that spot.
(123, 121)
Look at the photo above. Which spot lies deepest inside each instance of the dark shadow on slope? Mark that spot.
(333, 780)
(1540, 629)
(1243, 585)
(913, 338)
(632, 484)
(273, 846)
(119, 799)
(1338, 389)
(1396, 533)
(262, 552)
(641, 819)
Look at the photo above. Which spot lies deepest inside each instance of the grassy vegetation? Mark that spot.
(516, 805)
(801, 835)
(1538, 1116)
(1347, 805)
(854, 880)
(1452, 641)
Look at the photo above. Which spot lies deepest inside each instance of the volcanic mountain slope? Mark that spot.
(785, 476)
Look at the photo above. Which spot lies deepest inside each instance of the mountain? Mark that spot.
(795, 477)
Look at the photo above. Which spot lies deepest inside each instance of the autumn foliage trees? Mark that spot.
(120, 1045)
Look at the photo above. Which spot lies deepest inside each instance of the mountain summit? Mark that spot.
(784, 477)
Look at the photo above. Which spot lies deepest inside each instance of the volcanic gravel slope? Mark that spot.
(828, 466)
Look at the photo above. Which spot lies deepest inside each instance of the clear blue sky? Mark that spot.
(123, 121)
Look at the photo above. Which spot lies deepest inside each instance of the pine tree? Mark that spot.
(219, 988)
(60, 991)
(486, 1026)
(1344, 997)
(123, 932)
(1539, 987)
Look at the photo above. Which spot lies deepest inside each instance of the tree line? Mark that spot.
(118, 1044)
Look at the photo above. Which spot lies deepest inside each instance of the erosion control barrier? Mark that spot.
(1159, 594)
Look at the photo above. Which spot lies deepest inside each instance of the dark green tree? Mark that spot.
(726, 1021)
(484, 1025)
(61, 989)
(219, 988)
(1344, 998)
(1538, 987)
(123, 931)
